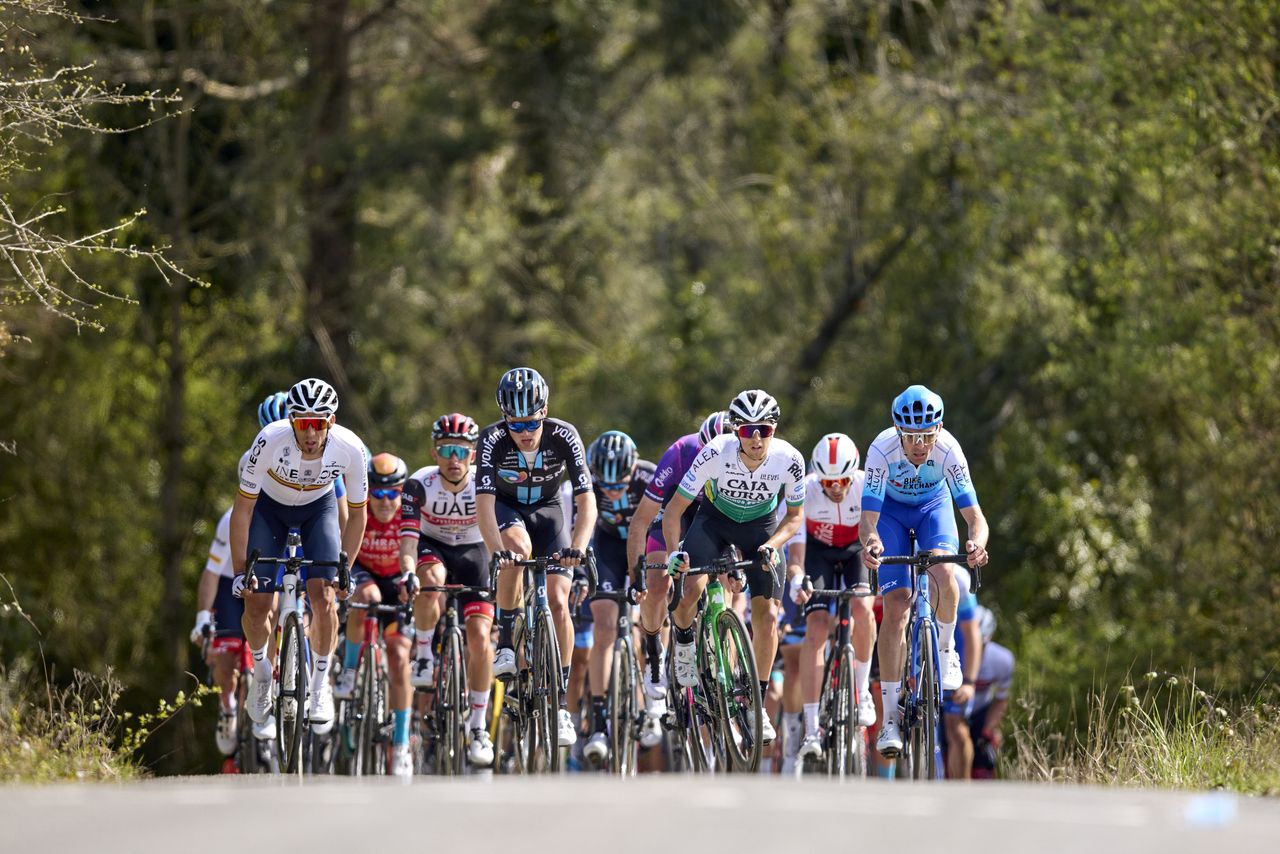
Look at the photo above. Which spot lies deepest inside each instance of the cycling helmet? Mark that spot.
(455, 425)
(917, 408)
(612, 456)
(714, 424)
(834, 456)
(522, 392)
(273, 408)
(754, 406)
(986, 622)
(312, 397)
(387, 470)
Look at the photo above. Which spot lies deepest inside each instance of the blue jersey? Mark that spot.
(891, 475)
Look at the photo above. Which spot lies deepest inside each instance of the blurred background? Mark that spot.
(1062, 217)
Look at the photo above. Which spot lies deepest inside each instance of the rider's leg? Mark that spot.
(959, 746)
(817, 626)
(945, 593)
(225, 674)
(891, 647)
(653, 613)
(864, 641)
(479, 664)
(426, 610)
(764, 634)
(515, 538)
(398, 654)
(366, 593)
(605, 631)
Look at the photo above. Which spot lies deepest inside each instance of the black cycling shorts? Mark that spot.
(548, 530)
(611, 562)
(463, 564)
(388, 585)
(712, 532)
(833, 568)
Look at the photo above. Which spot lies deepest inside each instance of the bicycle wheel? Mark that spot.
(291, 702)
(379, 735)
(686, 751)
(515, 725)
(741, 707)
(543, 733)
(923, 737)
(843, 736)
(451, 723)
(708, 715)
(624, 679)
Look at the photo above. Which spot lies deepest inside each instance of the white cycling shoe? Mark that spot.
(402, 762)
(345, 687)
(480, 750)
(651, 728)
(952, 675)
(266, 730)
(889, 743)
(811, 747)
(259, 707)
(568, 736)
(424, 673)
(226, 732)
(597, 749)
(686, 665)
(504, 663)
(866, 709)
(767, 732)
(320, 709)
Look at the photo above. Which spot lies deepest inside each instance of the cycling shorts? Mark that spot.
(389, 588)
(318, 524)
(833, 568)
(227, 612)
(712, 532)
(611, 562)
(654, 541)
(545, 523)
(935, 525)
(950, 707)
(583, 638)
(467, 564)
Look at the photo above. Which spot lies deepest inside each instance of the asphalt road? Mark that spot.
(647, 815)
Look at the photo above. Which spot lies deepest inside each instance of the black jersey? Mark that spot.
(615, 516)
(501, 469)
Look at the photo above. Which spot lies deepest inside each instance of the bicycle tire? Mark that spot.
(381, 726)
(708, 726)
(845, 739)
(451, 749)
(741, 706)
(923, 737)
(544, 746)
(291, 702)
(623, 681)
(516, 703)
(680, 709)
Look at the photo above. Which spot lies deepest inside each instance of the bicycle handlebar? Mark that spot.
(342, 564)
(924, 560)
(731, 563)
(482, 592)
(588, 565)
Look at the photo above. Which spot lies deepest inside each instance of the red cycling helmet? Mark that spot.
(455, 425)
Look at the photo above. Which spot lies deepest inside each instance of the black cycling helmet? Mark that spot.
(387, 470)
(522, 393)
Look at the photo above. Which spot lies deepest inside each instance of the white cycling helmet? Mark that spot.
(986, 622)
(312, 397)
(754, 406)
(835, 456)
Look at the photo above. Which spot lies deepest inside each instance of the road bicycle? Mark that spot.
(365, 720)
(444, 727)
(718, 724)
(293, 663)
(253, 755)
(921, 703)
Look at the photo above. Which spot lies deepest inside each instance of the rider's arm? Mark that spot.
(671, 520)
(788, 527)
(995, 715)
(357, 482)
(206, 590)
(487, 519)
(870, 537)
(977, 522)
(353, 534)
(795, 559)
(241, 516)
(344, 514)
(972, 648)
(584, 520)
(638, 530)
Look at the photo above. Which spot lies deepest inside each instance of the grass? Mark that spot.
(1162, 732)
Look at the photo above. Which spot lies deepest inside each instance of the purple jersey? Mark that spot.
(672, 467)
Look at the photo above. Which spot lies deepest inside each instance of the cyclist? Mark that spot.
(522, 460)
(991, 699)
(644, 536)
(829, 552)
(441, 539)
(620, 479)
(378, 577)
(914, 470)
(287, 482)
(743, 477)
(214, 599)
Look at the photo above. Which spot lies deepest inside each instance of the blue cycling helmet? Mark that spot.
(612, 456)
(522, 393)
(714, 424)
(917, 408)
(273, 408)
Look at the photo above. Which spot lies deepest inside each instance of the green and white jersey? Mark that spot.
(740, 494)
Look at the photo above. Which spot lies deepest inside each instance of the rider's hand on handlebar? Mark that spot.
(677, 562)
(242, 585)
(977, 554)
(768, 557)
(344, 592)
(570, 558)
(872, 548)
(410, 587)
(799, 591)
(507, 558)
(204, 619)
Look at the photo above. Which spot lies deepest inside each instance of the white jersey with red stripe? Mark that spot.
(219, 561)
(829, 522)
(275, 466)
(429, 509)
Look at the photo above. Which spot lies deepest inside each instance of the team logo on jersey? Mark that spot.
(513, 476)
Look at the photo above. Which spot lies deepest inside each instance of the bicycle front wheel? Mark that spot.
(845, 739)
(624, 682)
(543, 733)
(923, 737)
(291, 704)
(741, 707)
(451, 748)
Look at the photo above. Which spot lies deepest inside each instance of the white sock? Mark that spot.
(889, 692)
(261, 664)
(320, 669)
(791, 723)
(862, 676)
(479, 705)
(423, 646)
(946, 636)
(810, 718)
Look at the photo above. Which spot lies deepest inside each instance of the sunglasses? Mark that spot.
(746, 431)
(523, 426)
(460, 452)
(614, 487)
(921, 437)
(305, 424)
(384, 493)
(836, 482)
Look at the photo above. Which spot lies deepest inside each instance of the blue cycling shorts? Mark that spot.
(318, 524)
(935, 525)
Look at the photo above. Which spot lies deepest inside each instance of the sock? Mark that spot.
(764, 689)
(862, 676)
(791, 723)
(350, 655)
(506, 627)
(810, 718)
(685, 635)
(599, 716)
(261, 664)
(889, 692)
(402, 726)
(946, 635)
(479, 704)
(653, 656)
(228, 704)
(564, 687)
(320, 669)
(422, 646)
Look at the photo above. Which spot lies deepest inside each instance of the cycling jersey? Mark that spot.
(219, 560)
(502, 470)
(429, 509)
(673, 464)
(736, 492)
(995, 676)
(829, 522)
(275, 467)
(615, 515)
(380, 549)
(889, 474)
